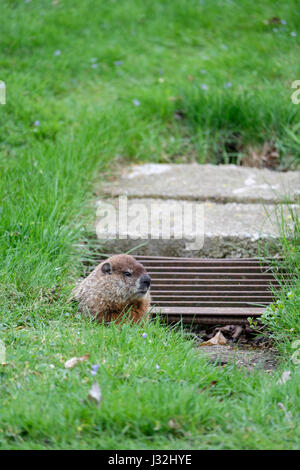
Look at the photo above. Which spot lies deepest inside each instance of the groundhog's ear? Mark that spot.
(106, 268)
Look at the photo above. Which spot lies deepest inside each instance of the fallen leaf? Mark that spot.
(266, 156)
(274, 20)
(218, 339)
(172, 424)
(95, 393)
(286, 375)
(270, 156)
(212, 383)
(234, 331)
(70, 363)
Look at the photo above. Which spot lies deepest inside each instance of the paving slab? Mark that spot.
(196, 229)
(222, 183)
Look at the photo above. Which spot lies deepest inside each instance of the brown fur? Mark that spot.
(109, 295)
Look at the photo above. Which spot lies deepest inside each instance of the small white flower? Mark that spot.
(204, 87)
(157, 367)
(57, 53)
(283, 22)
(294, 34)
(94, 66)
(145, 335)
(136, 102)
(36, 123)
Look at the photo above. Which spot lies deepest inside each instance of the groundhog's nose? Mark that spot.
(145, 281)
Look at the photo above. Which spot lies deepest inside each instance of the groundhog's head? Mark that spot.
(128, 278)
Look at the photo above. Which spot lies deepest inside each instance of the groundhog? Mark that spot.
(117, 286)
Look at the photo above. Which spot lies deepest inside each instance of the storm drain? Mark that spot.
(209, 291)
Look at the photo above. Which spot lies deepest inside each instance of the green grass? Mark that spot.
(88, 123)
(153, 52)
(282, 318)
(45, 405)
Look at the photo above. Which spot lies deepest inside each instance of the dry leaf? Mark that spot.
(274, 20)
(266, 156)
(213, 382)
(95, 393)
(286, 375)
(74, 361)
(172, 424)
(218, 339)
(270, 156)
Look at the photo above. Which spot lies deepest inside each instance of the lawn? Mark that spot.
(91, 85)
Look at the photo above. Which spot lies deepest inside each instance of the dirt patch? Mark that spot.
(258, 358)
(244, 347)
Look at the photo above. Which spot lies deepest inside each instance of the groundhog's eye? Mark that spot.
(127, 273)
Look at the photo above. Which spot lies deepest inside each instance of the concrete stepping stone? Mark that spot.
(230, 230)
(194, 210)
(222, 183)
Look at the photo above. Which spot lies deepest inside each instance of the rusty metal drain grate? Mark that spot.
(209, 291)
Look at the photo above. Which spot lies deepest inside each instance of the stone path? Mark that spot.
(194, 182)
(233, 207)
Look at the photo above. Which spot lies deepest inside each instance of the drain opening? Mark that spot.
(209, 291)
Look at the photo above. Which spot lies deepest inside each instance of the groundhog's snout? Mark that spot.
(145, 281)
